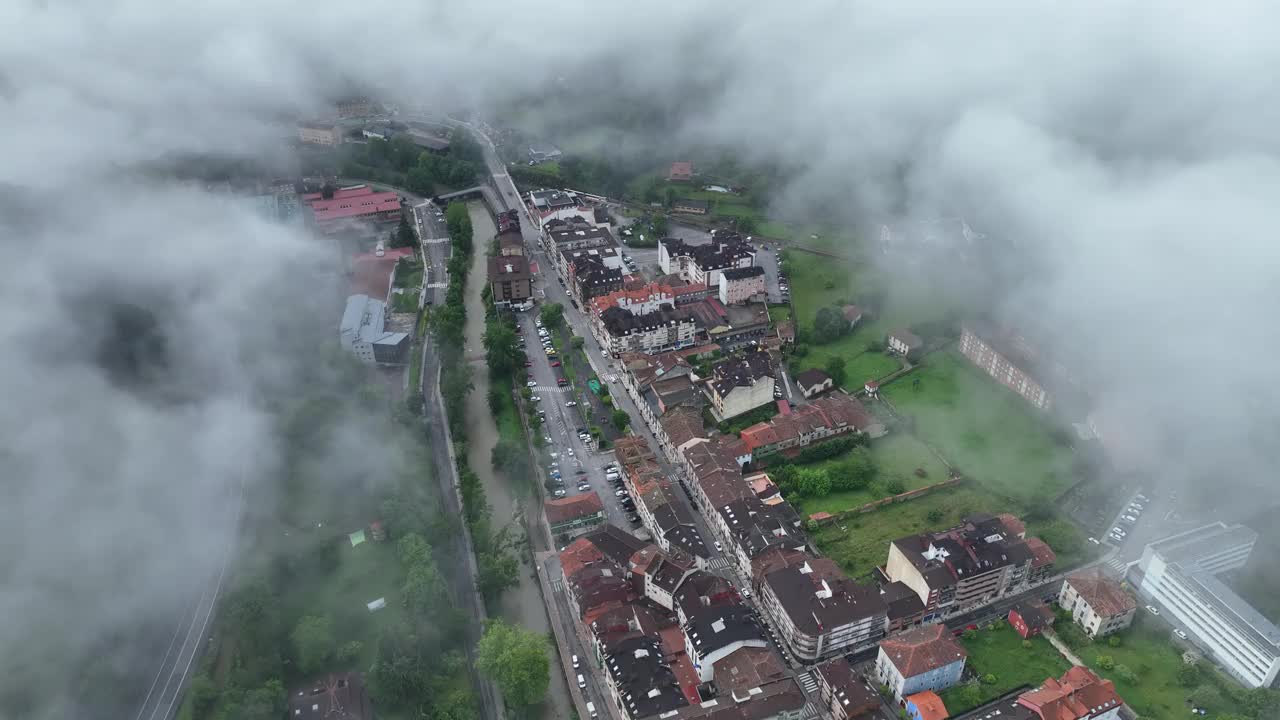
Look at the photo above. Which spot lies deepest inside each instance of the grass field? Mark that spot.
(983, 429)
(1147, 650)
(895, 456)
(999, 652)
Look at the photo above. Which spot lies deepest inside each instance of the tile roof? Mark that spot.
(835, 410)
(852, 692)
(682, 424)
(1104, 595)
(928, 705)
(1077, 695)
(644, 678)
(573, 507)
(819, 597)
(812, 377)
(921, 650)
(1035, 614)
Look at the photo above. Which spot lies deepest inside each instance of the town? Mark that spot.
(752, 482)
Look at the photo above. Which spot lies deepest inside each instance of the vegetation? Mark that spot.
(517, 660)
(552, 315)
(735, 425)
(400, 162)
(896, 463)
(1000, 662)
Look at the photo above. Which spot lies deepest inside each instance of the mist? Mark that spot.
(1127, 151)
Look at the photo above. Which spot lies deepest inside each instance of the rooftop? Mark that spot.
(703, 590)
(901, 600)
(571, 508)
(835, 410)
(850, 690)
(813, 377)
(818, 597)
(340, 696)
(757, 526)
(928, 705)
(741, 371)
(553, 199)
(1079, 694)
(687, 203)
(1104, 595)
(1192, 546)
(979, 545)
(508, 267)
(364, 319)
(618, 321)
(743, 273)
(724, 250)
(614, 542)
(922, 650)
(682, 424)
(644, 679)
(908, 338)
(712, 628)
(1034, 613)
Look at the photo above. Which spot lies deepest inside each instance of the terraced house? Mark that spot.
(835, 414)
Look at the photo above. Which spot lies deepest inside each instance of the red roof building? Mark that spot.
(926, 706)
(834, 414)
(574, 514)
(1078, 695)
(1030, 618)
(353, 204)
(680, 172)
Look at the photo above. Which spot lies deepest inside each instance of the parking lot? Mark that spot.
(566, 453)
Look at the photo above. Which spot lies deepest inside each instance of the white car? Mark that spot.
(1180, 633)
(1153, 609)
(569, 452)
(532, 383)
(575, 662)
(536, 398)
(1117, 531)
(571, 403)
(718, 548)
(746, 592)
(1129, 518)
(1094, 541)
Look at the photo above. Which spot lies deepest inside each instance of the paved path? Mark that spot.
(1062, 647)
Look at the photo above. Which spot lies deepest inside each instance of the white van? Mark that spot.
(591, 710)
(582, 682)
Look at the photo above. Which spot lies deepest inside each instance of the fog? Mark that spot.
(1128, 151)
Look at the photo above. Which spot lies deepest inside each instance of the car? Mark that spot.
(1141, 498)
(718, 547)
(1095, 541)
(584, 486)
(555, 363)
(582, 682)
(547, 438)
(620, 493)
(554, 455)
(561, 382)
(579, 471)
(1129, 518)
(1153, 609)
(634, 518)
(532, 383)
(1117, 531)
(536, 398)
(1180, 633)
(569, 452)
(560, 493)
(746, 592)
(528, 363)
(571, 403)
(575, 662)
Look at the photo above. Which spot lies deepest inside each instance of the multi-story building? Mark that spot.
(817, 611)
(353, 107)
(714, 633)
(510, 281)
(659, 331)
(704, 263)
(1077, 695)
(813, 382)
(320, 133)
(640, 680)
(926, 658)
(363, 333)
(826, 417)
(978, 561)
(576, 234)
(575, 514)
(845, 695)
(352, 206)
(904, 342)
(740, 384)
(741, 285)
(590, 272)
(713, 477)
(1181, 574)
(1096, 602)
(1003, 360)
(750, 526)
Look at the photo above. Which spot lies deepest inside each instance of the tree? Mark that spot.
(327, 190)
(1189, 675)
(350, 651)
(203, 693)
(812, 482)
(423, 590)
(835, 368)
(404, 235)
(413, 549)
(516, 659)
(264, 703)
(1124, 673)
(576, 342)
(621, 419)
(313, 642)
(829, 325)
(501, 347)
(934, 516)
(660, 226)
(498, 571)
(1105, 662)
(895, 486)
(552, 315)
(970, 696)
(746, 225)
(1205, 696)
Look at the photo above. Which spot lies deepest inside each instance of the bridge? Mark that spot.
(479, 191)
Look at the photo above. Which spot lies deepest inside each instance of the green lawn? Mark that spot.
(779, 313)
(983, 429)
(895, 456)
(999, 652)
(1147, 651)
(860, 364)
(550, 166)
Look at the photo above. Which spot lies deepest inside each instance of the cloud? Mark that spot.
(1127, 150)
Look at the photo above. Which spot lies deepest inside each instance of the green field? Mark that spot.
(999, 652)
(895, 456)
(984, 430)
(1147, 651)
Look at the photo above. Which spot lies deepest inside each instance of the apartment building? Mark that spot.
(1181, 574)
(320, 133)
(704, 263)
(1077, 695)
(740, 384)
(845, 695)
(972, 564)
(1096, 602)
(740, 285)
(829, 416)
(363, 333)
(817, 611)
(904, 342)
(575, 514)
(510, 281)
(751, 525)
(664, 329)
(927, 658)
(354, 206)
(1000, 358)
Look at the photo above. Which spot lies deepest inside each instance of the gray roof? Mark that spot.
(1192, 546)
(363, 319)
(1254, 624)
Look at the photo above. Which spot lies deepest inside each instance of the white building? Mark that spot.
(740, 285)
(705, 263)
(1180, 573)
(1096, 602)
(926, 658)
(362, 332)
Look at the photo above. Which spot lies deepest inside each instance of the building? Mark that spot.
(844, 694)
(702, 590)
(658, 331)
(354, 107)
(693, 207)
(813, 382)
(740, 384)
(905, 343)
(714, 633)
(644, 299)
(550, 200)
(704, 263)
(926, 658)
(590, 272)
(575, 514)
(320, 133)
(542, 152)
(575, 234)
(1096, 602)
(1004, 360)
(817, 611)
(351, 206)
(751, 525)
(340, 696)
(742, 285)
(925, 706)
(640, 680)
(730, 326)
(972, 564)
(680, 172)
(1030, 618)
(363, 333)
(829, 416)
(905, 607)
(852, 315)
(1077, 695)
(430, 142)
(508, 221)
(1181, 574)
(510, 281)
(510, 243)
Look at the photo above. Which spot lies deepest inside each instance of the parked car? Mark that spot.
(582, 682)
(575, 662)
(1117, 531)
(536, 398)
(569, 452)
(571, 403)
(633, 518)
(1180, 633)
(746, 592)
(1095, 541)
(718, 547)
(1142, 498)
(555, 363)
(620, 493)
(532, 383)
(560, 493)
(1129, 518)
(1153, 609)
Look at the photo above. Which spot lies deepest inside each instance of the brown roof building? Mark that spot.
(818, 611)
(844, 693)
(509, 279)
(574, 514)
(1096, 602)
(340, 696)
(835, 414)
(926, 658)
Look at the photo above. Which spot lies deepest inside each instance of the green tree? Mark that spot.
(1205, 696)
(829, 325)
(501, 347)
(621, 419)
(203, 694)
(1189, 675)
(1105, 662)
(1124, 673)
(405, 236)
(499, 570)
(934, 516)
(660, 226)
(835, 368)
(746, 225)
(970, 696)
(516, 659)
(576, 342)
(265, 703)
(895, 486)
(350, 651)
(423, 590)
(812, 482)
(552, 315)
(313, 642)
